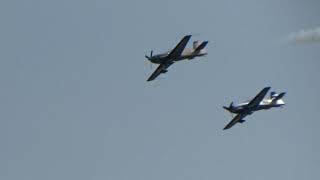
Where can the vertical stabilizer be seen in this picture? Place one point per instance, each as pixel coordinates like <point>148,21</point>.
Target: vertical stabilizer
<point>195,44</point>
<point>273,94</point>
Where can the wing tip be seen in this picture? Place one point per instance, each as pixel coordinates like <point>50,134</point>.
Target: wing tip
<point>227,127</point>
<point>267,88</point>
<point>150,78</point>
<point>187,37</point>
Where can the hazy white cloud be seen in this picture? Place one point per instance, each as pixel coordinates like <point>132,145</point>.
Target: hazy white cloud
<point>305,36</point>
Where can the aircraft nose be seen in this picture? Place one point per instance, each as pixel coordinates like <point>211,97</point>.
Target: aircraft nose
<point>149,58</point>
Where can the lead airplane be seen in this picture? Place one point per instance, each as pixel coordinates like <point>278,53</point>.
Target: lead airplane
<point>176,54</point>
<point>256,104</point>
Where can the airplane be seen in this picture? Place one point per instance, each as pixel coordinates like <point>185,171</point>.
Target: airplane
<point>176,54</point>
<point>256,104</point>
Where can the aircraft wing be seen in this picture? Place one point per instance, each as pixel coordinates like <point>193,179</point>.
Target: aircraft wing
<point>235,120</point>
<point>259,97</point>
<point>179,48</point>
<point>160,69</point>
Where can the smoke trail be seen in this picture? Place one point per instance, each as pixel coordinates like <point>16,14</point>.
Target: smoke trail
<point>306,36</point>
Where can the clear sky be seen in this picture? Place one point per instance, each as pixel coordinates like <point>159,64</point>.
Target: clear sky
<point>75,103</point>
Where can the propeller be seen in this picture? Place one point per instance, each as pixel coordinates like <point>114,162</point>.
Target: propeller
<point>229,108</point>
<point>149,57</point>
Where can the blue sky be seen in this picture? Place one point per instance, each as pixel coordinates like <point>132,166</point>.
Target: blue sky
<point>75,103</point>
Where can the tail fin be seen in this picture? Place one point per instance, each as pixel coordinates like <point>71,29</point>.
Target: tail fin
<point>195,44</point>
<point>273,94</point>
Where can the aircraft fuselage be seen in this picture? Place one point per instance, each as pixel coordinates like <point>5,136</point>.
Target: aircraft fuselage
<point>264,105</point>
<point>186,54</point>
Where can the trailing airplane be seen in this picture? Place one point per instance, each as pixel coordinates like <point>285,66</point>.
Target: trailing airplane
<point>176,54</point>
<point>256,104</point>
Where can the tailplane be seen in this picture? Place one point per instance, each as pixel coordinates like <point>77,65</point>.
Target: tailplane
<point>276,97</point>
<point>200,47</point>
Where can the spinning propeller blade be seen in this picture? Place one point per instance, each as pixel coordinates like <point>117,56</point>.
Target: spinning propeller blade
<point>148,57</point>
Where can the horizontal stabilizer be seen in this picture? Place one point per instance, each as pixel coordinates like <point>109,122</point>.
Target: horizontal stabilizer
<point>201,46</point>
<point>275,99</point>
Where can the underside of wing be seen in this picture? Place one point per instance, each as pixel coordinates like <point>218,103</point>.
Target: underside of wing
<point>234,121</point>
<point>162,68</point>
<point>259,97</point>
<point>176,52</point>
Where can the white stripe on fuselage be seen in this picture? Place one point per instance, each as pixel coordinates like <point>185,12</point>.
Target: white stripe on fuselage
<point>265,102</point>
